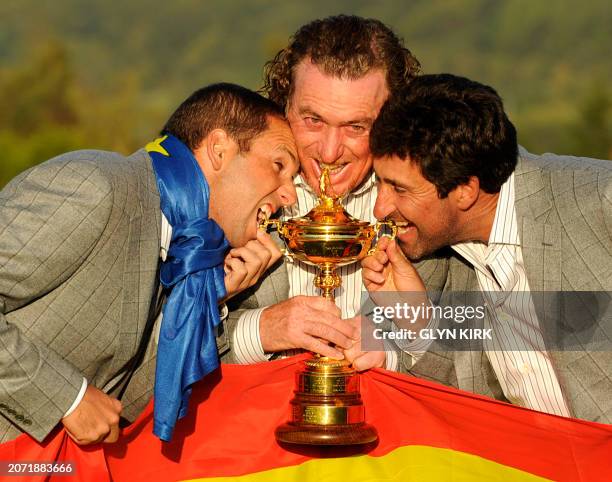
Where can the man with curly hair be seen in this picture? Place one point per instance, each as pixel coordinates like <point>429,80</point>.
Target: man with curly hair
<point>332,79</point>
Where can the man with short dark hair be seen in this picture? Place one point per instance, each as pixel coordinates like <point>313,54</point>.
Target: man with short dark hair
<point>80,243</point>
<point>332,80</point>
<point>451,174</point>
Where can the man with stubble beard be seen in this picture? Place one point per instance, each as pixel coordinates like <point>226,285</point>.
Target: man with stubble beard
<point>527,237</point>
<point>332,79</point>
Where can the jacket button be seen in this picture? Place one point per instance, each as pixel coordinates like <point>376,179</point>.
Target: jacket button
<point>27,421</point>
<point>20,417</point>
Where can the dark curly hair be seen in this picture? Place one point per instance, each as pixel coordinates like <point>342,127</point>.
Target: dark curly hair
<point>452,128</point>
<point>342,46</point>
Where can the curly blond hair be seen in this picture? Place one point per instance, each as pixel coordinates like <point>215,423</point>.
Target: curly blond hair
<point>344,46</point>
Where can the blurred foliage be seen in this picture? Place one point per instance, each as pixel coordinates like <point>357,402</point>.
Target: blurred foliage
<point>591,133</point>
<point>101,74</point>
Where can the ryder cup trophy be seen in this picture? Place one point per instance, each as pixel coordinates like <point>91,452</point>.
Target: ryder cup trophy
<point>327,408</point>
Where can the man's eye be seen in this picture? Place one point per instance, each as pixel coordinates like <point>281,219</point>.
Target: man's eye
<point>312,121</point>
<point>399,189</point>
<point>278,166</point>
<point>356,129</point>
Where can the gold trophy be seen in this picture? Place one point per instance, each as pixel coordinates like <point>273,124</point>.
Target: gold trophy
<point>327,408</point>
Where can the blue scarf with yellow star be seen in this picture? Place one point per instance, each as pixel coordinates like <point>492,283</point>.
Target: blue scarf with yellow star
<point>193,272</point>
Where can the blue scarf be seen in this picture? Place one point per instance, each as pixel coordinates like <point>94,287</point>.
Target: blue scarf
<point>193,271</point>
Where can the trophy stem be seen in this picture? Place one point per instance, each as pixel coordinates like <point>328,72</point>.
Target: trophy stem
<point>327,280</point>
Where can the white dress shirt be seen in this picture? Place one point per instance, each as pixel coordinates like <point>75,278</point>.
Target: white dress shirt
<point>360,204</point>
<point>516,351</point>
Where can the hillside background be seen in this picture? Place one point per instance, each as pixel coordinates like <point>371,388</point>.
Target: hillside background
<point>100,74</point>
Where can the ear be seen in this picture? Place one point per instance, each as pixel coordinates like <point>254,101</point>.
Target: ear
<point>216,151</point>
<point>465,195</point>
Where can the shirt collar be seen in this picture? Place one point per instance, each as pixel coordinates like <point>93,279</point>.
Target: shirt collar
<point>505,227</point>
<point>503,231</point>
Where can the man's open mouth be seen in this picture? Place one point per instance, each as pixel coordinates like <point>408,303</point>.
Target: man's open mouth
<point>263,214</point>
<point>332,168</point>
<point>403,226</point>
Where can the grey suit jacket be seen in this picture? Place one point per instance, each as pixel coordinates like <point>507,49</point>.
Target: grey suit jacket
<point>79,247</point>
<point>564,210</point>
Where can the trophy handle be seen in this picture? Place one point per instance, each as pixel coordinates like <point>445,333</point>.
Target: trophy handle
<point>377,227</point>
<point>279,225</point>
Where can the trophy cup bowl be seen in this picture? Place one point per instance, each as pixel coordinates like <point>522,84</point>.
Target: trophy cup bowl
<point>326,245</point>
<point>327,408</point>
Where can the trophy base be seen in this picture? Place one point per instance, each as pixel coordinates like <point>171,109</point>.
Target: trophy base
<point>327,408</point>
<point>357,434</point>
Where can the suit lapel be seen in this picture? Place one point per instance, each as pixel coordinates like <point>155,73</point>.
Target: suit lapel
<point>141,253</point>
<point>540,241</point>
<point>541,248</point>
<point>540,244</point>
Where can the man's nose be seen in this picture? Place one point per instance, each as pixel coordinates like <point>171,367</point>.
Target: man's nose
<point>384,203</point>
<point>287,193</point>
<point>331,145</point>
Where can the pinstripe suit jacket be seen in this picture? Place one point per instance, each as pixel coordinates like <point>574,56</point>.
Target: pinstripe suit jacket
<point>79,247</point>
<point>564,213</point>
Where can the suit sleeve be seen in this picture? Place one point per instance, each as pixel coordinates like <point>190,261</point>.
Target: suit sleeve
<point>51,218</point>
<point>434,272</point>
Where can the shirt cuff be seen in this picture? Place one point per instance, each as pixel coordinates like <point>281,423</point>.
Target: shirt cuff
<point>416,348</point>
<point>78,398</point>
<point>391,360</point>
<point>223,311</point>
<point>246,341</point>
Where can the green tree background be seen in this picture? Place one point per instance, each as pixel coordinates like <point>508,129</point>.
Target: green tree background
<point>96,74</point>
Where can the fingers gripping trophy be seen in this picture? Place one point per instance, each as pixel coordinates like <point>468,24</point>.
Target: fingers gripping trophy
<point>327,408</point>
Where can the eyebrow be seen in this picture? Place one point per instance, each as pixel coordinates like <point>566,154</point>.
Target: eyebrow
<point>392,182</point>
<point>289,153</point>
<point>363,120</point>
<point>307,110</point>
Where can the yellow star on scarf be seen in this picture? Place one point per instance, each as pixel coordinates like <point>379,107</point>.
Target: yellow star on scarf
<point>155,146</point>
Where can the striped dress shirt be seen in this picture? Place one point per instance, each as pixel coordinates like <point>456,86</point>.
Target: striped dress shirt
<point>516,351</point>
<point>360,204</point>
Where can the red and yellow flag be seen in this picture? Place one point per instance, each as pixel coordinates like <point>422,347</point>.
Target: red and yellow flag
<point>426,432</point>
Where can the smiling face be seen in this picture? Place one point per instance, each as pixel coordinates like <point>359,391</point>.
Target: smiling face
<point>254,182</point>
<point>427,223</point>
<point>331,120</point>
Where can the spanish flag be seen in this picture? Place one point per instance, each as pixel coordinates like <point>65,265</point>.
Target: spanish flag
<point>427,432</point>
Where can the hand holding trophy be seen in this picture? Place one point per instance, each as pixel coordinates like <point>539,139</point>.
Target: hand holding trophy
<point>327,408</point>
